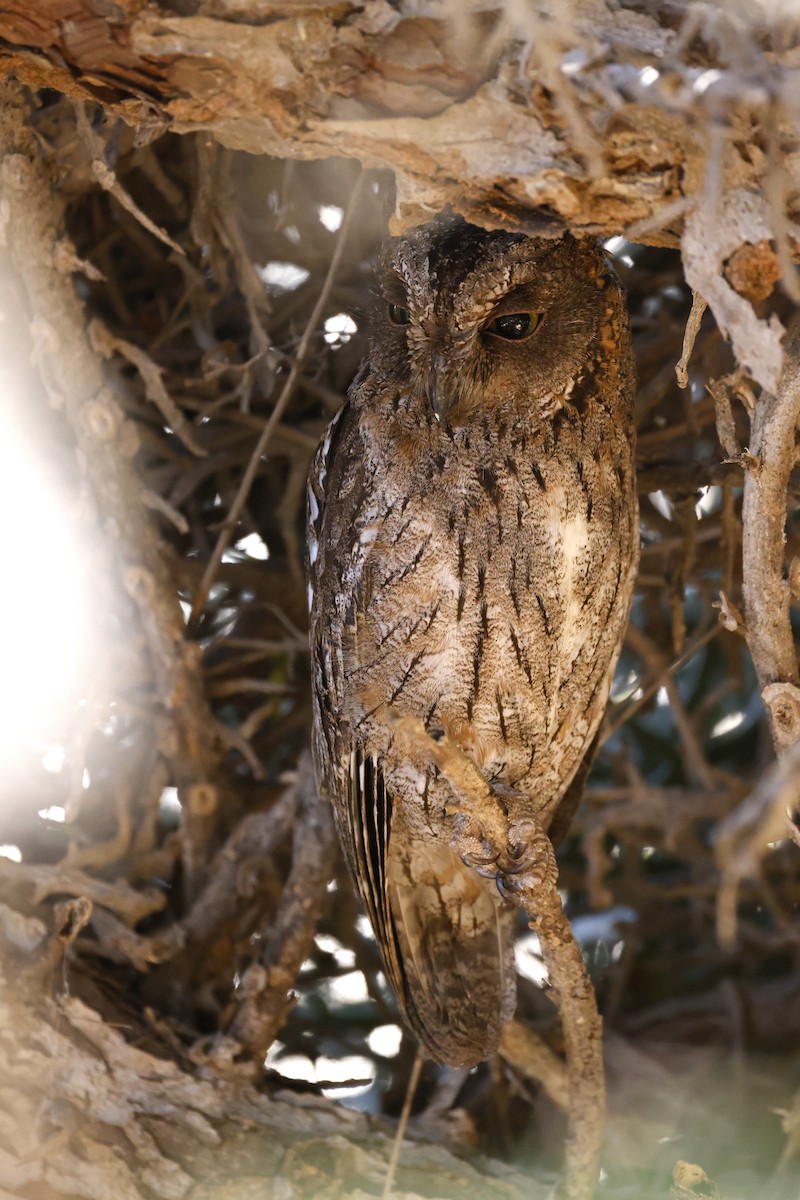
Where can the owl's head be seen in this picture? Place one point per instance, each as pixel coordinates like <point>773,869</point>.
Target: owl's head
<point>469,318</point>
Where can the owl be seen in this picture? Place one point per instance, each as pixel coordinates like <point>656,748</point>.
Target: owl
<point>472,550</point>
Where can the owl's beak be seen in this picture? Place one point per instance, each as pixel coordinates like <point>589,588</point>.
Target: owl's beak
<point>441,392</point>
<point>438,399</point>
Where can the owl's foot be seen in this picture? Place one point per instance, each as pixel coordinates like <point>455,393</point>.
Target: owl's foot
<point>524,866</point>
<point>473,847</point>
<point>519,856</point>
<point>528,868</point>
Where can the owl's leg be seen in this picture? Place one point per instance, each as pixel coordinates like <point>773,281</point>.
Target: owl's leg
<point>521,858</point>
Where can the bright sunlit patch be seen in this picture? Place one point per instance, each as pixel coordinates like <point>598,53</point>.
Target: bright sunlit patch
<point>528,954</point>
<point>591,927</point>
<point>12,852</point>
<point>331,216</point>
<point>327,943</point>
<point>727,724</point>
<point>350,988</point>
<point>282,276</point>
<point>385,1040</point>
<point>648,76</point>
<point>53,759</point>
<point>661,503</point>
<point>662,697</point>
<point>54,813</point>
<point>706,80</point>
<point>624,686</point>
<point>254,547</point>
<point>618,247</point>
<point>359,1072</point>
<point>344,958</point>
<point>353,1069</point>
<point>43,598</point>
<point>169,806</point>
<point>574,61</point>
<point>710,500</point>
<point>339,329</point>
<point>293,1066</point>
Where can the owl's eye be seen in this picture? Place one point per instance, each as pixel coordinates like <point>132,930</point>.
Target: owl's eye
<point>399,315</point>
<point>514,326</point>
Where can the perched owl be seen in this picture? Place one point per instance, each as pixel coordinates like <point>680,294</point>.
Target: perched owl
<point>472,548</point>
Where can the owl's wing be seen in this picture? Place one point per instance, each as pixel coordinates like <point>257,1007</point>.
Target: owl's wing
<point>446,939</point>
<point>368,825</point>
<point>568,804</point>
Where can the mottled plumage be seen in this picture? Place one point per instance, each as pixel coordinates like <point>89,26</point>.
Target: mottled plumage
<point>472,550</point>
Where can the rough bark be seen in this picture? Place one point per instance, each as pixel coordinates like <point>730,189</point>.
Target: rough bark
<point>86,1115</point>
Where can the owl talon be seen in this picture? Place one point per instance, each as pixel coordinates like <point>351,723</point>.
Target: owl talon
<point>528,865</point>
<point>473,847</point>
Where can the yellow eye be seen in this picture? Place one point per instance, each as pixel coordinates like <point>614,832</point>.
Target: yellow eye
<point>514,326</point>
<point>399,315</point>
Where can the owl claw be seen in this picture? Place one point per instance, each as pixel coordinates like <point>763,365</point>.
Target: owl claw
<point>526,866</point>
<point>473,847</point>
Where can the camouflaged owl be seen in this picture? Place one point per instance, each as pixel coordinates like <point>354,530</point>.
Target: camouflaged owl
<point>472,551</point>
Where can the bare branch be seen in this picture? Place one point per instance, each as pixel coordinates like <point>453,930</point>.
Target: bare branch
<point>766,593</point>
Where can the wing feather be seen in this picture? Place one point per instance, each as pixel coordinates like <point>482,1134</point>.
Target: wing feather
<point>445,939</point>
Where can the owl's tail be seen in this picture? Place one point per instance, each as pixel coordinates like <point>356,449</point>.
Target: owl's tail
<point>445,934</point>
<point>454,946</point>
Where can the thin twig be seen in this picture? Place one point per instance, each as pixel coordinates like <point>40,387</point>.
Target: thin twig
<point>648,692</point>
<point>402,1125</point>
<point>693,323</point>
<point>744,836</point>
<point>109,182</point>
<point>106,343</point>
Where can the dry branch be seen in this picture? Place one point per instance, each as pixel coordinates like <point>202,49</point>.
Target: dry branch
<point>765,588</point>
<point>287,392</point>
<point>265,992</point>
<point>402,85</point>
<point>94,1116</point>
<point>744,836</point>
